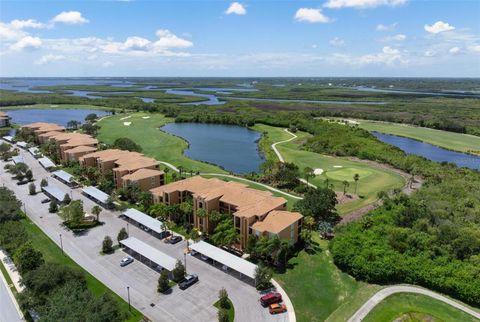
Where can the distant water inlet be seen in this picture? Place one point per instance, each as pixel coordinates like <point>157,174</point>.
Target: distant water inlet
<point>53,115</point>
<point>430,151</point>
<point>233,148</point>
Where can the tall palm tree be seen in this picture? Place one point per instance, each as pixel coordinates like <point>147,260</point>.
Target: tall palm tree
<point>356,177</point>
<point>96,210</point>
<point>345,186</point>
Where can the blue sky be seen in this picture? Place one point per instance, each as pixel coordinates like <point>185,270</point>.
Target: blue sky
<point>244,38</point>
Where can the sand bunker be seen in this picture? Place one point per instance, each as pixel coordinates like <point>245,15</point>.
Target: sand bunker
<point>317,171</point>
<point>127,123</point>
<point>126,117</point>
<point>145,117</point>
<point>338,166</point>
<point>53,105</point>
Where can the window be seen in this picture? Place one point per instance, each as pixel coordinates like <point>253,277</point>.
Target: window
<point>152,181</point>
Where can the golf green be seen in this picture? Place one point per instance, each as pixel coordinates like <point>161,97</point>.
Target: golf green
<point>347,174</point>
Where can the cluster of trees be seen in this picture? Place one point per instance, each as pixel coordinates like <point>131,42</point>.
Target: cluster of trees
<point>126,144</point>
<point>20,171</point>
<point>73,214</point>
<point>134,195</point>
<point>272,251</point>
<point>283,175</point>
<point>224,305</point>
<point>6,152</point>
<point>56,292</point>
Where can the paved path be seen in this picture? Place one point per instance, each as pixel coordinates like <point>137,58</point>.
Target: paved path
<point>386,292</point>
<point>9,310</point>
<point>274,145</point>
<point>194,303</point>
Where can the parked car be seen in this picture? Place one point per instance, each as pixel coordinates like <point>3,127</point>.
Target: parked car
<point>46,200</point>
<point>126,261</point>
<point>277,308</point>
<point>175,239</point>
<point>270,298</point>
<point>188,281</point>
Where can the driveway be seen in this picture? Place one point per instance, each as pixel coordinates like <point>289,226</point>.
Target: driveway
<point>8,308</point>
<point>195,303</point>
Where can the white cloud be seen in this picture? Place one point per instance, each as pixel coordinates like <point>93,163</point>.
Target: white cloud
<point>70,18</point>
<point>429,53</point>
<point>49,59</point>
<point>388,56</point>
<point>454,50</point>
<point>474,48</point>
<point>27,42</point>
<point>362,4</point>
<point>399,37</point>
<point>7,33</point>
<point>136,43</point>
<point>236,8</point>
<point>169,40</point>
<point>30,23</point>
<point>382,27</point>
<point>337,42</point>
<point>311,15</point>
<point>438,27</point>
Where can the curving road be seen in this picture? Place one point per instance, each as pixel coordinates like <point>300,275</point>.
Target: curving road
<point>274,145</point>
<point>386,292</point>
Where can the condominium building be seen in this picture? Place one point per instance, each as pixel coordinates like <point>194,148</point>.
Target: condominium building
<point>253,211</point>
<point>127,167</point>
<point>4,119</point>
<point>39,128</point>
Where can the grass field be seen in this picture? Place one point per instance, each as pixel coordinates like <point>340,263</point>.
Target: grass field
<point>417,308</point>
<point>59,106</point>
<point>144,130</point>
<point>336,170</point>
<point>448,140</point>
<point>53,254</point>
<point>319,290</point>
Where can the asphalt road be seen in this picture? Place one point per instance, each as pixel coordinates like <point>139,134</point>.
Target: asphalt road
<point>195,303</point>
<point>8,310</point>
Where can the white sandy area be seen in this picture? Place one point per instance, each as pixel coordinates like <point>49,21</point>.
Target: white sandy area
<point>145,117</point>
<point>126,117</point>
<point>318,171</point>
<point>338,166</point>
<point>53,105</point>
<point>127,123</point>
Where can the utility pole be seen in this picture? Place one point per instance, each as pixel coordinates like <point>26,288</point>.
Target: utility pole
<point>128,292</point>
<point>61,244</point>
<point>128,230</point>
<point>185,260</point>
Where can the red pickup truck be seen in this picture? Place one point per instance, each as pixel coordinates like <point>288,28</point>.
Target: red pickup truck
<point>270,298</point>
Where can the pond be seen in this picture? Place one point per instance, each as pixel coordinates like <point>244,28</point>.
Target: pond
<point>53,115</point>
<point>430,151</point>
<point>233,148</point>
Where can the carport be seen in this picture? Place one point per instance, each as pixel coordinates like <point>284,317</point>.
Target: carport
<point>46,163</point>
<point>18,159</point>
<point>148,255</point>
<point>145,220</point>
<point>63,176</point>
<point>240,265</point>
<point>96,195</point>
<point>54,192</point>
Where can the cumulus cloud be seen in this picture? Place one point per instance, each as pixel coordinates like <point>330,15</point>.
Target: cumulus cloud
<point>236,8</point>
<point>27,43</point>
<point>30,23</point>
<point>388,56</point>
<point>382,27</point>
<point>70,18</point>
<point>454,50</point>
<point>438,27</point>
<point>398,37</point>
<point>168,40</point>
<point>362,4</point>
<point>337,42</point>
<point>8,33</point>
<point>50,58</point>
<point>311,15</point>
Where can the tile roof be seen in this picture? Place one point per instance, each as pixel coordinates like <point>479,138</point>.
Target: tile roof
<point>276,221</point>
<point>81,148</point>
<point>142,174</point>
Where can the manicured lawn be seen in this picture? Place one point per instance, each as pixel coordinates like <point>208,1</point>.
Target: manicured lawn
<point>318,289</point>
<point>336,170</point>
<point>144,130</point>
<point>417,308</point>
<point>52,253</point>
<point>59,106</point>
<point>449,140</point>
<point>231,310</point>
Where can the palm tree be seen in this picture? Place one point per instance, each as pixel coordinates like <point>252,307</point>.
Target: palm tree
<point>345,186</point>
<point>166,170</point>
<point>356,177</point>
<point>180,170</point>
<point>96,210</point>
<point>309,222</point>
<point>309,173</point>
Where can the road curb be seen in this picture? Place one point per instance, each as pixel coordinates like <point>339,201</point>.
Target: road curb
<point>290,310</point>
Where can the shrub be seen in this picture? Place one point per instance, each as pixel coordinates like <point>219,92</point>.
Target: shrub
<point>223,298</point>
<point>163,282</point>
<point>107,245</point>
<point>178,272</point>
<point>32,190</point>
<point>122,234</point>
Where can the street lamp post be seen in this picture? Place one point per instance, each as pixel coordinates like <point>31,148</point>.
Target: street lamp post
<point>128,230</point>
<point>128,293</point>
<point>185,260</point>
<point>61,244</point>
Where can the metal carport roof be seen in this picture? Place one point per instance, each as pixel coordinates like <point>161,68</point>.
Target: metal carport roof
<point>54,192</point>
<point>96,194</point>
<point>144,219</point>
<point>219,255</point>
<point>65,176</point>
<point>18,159</point>
<point>46,162</point>
<point>150,253</point>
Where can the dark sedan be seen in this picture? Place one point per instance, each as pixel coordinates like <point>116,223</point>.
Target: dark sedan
<point>188,281</point>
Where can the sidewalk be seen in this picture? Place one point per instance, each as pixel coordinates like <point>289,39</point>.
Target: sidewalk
<point>11,270</point>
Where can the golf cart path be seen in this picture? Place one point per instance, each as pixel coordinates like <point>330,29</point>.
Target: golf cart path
<point>386,292</point>
<point>274,145</point>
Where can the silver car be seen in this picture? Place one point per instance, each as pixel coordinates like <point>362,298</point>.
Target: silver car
<point>126,261</point>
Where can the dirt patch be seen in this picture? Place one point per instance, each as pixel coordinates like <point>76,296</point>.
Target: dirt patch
<point>344,198</point>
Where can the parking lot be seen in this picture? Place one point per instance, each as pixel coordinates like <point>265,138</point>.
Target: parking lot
<point>194,303</point>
